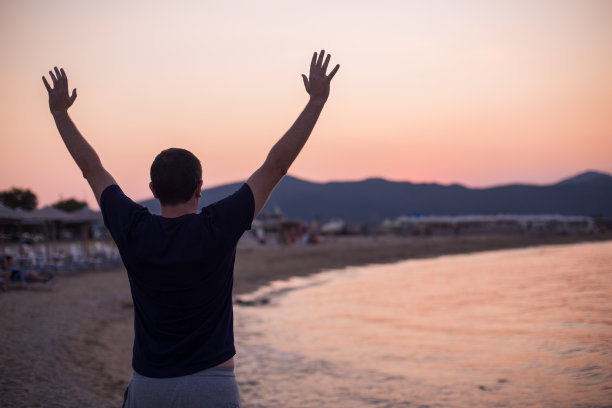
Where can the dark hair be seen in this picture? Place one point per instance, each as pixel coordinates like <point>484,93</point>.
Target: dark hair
<point>175,174</point>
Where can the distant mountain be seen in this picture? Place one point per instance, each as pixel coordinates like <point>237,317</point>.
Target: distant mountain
<point>375,199</point>
<point>593,177</point>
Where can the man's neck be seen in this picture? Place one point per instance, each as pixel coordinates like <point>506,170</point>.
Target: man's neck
<point>174,211</point>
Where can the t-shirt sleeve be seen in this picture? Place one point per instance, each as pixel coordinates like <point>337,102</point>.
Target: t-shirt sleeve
<point>119,212</point>
<point>234,214</point>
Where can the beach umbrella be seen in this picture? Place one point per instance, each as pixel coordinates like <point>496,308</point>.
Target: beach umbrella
<point>86,217</point>
<point>86,214</point>
<point>46,214</point>
<point>8,214</point>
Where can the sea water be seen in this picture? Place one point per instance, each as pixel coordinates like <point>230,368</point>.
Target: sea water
<point>512,328</point>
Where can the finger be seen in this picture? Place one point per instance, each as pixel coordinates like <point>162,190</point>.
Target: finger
<point>64,77</point>
<point>306,84</point>
<point>313,63</point>
<point>46,84</point>
<point>331,74</point>
<point>320,60</point>
<point>53,78</point>
<point>73,96</point>
<point>60,78</point>
<point>326,63</point>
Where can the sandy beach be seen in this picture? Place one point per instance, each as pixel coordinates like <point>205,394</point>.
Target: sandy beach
<point>68,343</point>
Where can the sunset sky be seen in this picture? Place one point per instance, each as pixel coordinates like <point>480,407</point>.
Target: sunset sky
<point>475,92</point>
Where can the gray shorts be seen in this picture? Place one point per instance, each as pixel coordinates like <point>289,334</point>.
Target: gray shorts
<point>211,388</point>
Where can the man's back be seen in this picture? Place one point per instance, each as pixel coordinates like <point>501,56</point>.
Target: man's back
<point>181,275</point>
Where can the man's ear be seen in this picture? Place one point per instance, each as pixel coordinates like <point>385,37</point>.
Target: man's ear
<point>152,190</point>
<point>198,192</point>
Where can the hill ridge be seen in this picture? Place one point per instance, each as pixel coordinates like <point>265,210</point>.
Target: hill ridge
<point>374,199</point>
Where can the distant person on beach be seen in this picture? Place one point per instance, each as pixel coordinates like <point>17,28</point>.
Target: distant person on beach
<point>9,272</point>
<point>180,264</point>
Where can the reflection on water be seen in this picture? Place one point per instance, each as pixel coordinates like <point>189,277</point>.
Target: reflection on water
<point>528,327</point>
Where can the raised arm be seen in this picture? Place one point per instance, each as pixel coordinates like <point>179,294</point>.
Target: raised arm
<point>284,152</point>
<point>83,154</point>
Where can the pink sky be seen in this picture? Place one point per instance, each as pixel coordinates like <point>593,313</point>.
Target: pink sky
<point>475,92</point>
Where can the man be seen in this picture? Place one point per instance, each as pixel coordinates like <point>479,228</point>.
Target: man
<point>180,264</point>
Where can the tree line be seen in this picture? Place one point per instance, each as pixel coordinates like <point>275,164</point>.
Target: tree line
<point>25,199</point>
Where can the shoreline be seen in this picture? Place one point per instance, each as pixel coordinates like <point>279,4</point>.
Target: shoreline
<point>258,266</point>
<point>70,343</point>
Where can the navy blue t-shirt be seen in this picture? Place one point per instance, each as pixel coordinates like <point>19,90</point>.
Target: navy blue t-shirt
<point>181,275</point>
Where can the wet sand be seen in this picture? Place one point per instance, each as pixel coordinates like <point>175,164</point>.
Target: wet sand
<point>68,344</point>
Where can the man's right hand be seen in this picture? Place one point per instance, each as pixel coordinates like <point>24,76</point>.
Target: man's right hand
<point>59,100</point>
<point>284,152</point>
<point>317,84</point>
